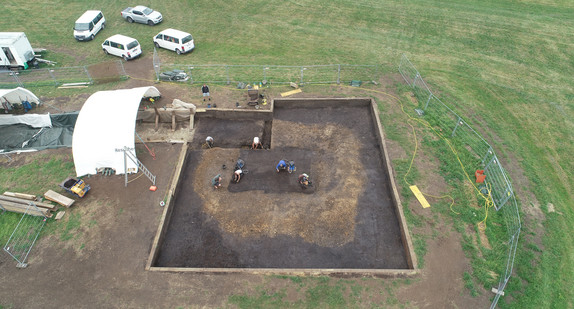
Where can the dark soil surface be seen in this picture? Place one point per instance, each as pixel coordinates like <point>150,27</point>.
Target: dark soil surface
<point>346,220</point>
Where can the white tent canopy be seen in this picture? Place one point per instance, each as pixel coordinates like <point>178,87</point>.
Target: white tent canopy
<point>17,95</point>
<point>106,124</point>
<point>33,120</point>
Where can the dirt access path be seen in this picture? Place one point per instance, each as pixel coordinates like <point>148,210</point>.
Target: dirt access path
<point>102,265</point>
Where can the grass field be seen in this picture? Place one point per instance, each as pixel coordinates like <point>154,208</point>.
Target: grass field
<point>506,66</point>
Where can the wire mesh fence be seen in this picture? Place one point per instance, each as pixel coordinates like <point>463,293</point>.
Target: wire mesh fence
<point>477,152</point>
<point>60,76</point>
<point>274,74</point>
<point>25,234</point>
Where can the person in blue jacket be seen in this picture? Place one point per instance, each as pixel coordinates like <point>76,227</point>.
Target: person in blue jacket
<point>281,165</point>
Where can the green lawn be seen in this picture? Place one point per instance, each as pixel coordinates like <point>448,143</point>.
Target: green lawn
<point>506,66</point>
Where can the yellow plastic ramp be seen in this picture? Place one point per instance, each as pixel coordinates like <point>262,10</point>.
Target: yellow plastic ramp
<point>420,196</point>
<point>288,93</point>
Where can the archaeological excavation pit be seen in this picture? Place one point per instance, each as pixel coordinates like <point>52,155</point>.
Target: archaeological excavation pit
<point>349,221</point>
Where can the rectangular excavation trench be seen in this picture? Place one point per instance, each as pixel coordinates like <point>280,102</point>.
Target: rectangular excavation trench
<point>350,221</point>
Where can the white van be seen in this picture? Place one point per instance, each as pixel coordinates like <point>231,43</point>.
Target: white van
<point>122,46</point>
<point>178,41</point>
<point>88,25</point>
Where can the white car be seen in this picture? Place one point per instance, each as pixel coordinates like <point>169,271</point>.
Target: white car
<point>142,14</point>
<point>122,46</point>
<point>178,41</point>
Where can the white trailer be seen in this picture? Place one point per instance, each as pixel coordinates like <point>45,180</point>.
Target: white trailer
<point>15,50</point>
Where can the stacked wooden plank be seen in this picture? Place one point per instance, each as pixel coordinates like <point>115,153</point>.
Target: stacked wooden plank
<point>58,198</point>
<point>20,204</point>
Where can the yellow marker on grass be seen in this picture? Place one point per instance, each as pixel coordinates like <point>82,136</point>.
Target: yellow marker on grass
<point>288,93</point>
<point>420,196</point>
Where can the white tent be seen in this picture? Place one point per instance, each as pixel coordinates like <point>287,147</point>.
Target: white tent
<point>106,124</point>
<point>17,95</point>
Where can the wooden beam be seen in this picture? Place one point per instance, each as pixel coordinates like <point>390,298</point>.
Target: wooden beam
<point>156,118</point>
<point>25,202</point>
<point>19,208</point>
<point>25,196</point>
<point>59,215</point>
<point>173,123</point>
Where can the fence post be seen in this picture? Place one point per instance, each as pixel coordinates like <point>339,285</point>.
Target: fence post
<point>486,155</point>
<point>190,69</point>
<point>338,74</point>
<point>122,68</point>
<point>156,63</point>
<point>458,122</point>
<point>301,82</point>
<point>428,101</point>
<point>88,74</point>
<point>51,72</point>
<point>227,74</point>
<point>16,79</point>
<point>415,79</point>
<point>491,161</point>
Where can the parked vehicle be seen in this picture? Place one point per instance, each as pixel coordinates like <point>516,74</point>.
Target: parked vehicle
<point>174,76</point>
<point>122,46</point>
<point>178,41</point>
<point>88,25</point>
<point>16,51</point>
<point>142,14</point>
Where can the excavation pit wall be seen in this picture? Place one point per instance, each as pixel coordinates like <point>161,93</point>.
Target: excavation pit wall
<point>285,114</point>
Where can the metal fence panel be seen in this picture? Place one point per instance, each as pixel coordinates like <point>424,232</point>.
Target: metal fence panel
<point>207,73</point>
<point>464,137</point>
<point>441,116</point>
<point>408,71</point>
<point>319,74</point>
<point>72,75</point>
<point>359,72</point>
<point>9,80</point>
<point>37,78</point>
<point>276,74</point>
<point>249,74</point>
<point>422,92</point>
<point>53,76</point>
<point>25,235</point>
<point>475,144</point>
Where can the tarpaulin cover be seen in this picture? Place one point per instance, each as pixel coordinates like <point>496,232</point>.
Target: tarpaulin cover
<point>105,126</point>
<point>23,137</point>
<point>33,120</point>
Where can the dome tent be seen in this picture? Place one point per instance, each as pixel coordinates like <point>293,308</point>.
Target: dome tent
<point>17,95</point>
